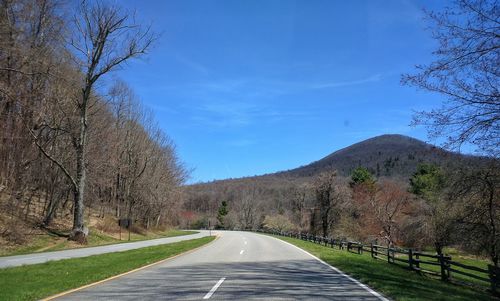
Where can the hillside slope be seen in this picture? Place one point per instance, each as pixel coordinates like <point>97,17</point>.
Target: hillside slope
<point>386,155</point>
<point>251,198</point>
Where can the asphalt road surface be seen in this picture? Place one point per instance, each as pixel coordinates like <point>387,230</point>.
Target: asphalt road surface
<point>237,266</point>
<point>12,261</point>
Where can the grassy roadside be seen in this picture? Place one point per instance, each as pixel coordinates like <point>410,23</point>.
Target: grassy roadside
<point>393,281</point>
<point>33,282</point>
<point>47,242</point>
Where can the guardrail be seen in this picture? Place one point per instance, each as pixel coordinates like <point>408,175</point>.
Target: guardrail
<point>414,260</point>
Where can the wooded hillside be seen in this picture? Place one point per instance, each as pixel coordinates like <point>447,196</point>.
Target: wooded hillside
<point>424,196</point>
<point>69,139</point>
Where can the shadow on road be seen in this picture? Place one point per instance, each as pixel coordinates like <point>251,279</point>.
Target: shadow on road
<point>271,280</point>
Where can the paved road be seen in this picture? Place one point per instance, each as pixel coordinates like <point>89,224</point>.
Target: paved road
<point>11,261</point>
<point>237,266</point>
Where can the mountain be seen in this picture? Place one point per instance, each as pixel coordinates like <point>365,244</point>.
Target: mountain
<point>384,156</point>
<point>390,155</point>
<point>387,156</point>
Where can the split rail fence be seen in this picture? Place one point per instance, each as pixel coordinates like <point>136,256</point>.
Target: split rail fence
<point>446,267</point>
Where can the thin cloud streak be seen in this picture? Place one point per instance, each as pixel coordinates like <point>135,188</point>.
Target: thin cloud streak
<point>192,64</point>
<point>370,79</point>
<point>243,102</point>
<point>249,88</point>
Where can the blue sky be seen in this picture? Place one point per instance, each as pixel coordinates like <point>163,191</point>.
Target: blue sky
<point>253,87</point>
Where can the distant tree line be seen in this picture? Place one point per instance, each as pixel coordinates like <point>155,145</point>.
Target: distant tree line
<point>69,139</point>
<point>434,208</point>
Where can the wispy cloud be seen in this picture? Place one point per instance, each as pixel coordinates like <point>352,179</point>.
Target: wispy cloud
<point>239,113</point>
<point>221,113</point>
<point>370,79</point>
<point>245,101</point>
<point>200,68</point>
<point>250,88</point>
<point>254,87</point>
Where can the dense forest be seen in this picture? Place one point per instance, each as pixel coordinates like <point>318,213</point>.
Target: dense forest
<point>70,137</point>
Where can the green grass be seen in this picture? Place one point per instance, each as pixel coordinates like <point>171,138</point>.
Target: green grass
<point>479,263</point>
<point>33,282</point>
<point>393,281</point>
<point>456,256</point>
<point>154,235</point>
<point>50,242</point>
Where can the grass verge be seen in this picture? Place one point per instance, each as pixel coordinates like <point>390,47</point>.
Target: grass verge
<point>393,281</point>
<point>33,282</point>
<point>50,242</point>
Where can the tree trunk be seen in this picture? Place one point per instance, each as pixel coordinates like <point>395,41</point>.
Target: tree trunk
<point>51,209</point>
<point>79,232</point>
<point>158,220</point>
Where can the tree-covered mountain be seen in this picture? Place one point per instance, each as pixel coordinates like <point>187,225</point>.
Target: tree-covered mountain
<point>390,157</point>
<point>385,156</point>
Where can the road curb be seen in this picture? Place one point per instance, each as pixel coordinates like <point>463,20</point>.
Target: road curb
<point>217,236</point>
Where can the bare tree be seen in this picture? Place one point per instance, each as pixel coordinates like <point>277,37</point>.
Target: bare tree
<point>477,193</point>
<point>104,149</point>
<point>330,196</point>
<point>389,207</point>
<point>104,38</point>
<point>467,73</point>
<point>278,223</point>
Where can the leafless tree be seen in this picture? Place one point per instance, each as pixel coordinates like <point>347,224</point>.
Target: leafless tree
<point>105,149</point>
<point>478,195</point>
<point>388,208</point>
<point>466,72</point>
<point>330,196</point>
<point>104,37</point>
<point>278,223</point>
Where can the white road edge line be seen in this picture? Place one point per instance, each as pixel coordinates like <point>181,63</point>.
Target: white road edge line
<point>241,252</point>
<point>212,291</point>
<point>376,294</point>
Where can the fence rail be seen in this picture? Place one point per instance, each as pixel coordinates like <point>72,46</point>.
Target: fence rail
<point>409,258</point>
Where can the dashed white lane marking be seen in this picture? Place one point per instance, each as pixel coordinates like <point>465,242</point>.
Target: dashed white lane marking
<point>212,291</point>
<point>241,252</point>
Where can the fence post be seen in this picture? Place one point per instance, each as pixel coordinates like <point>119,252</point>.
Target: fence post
<point>388,254</point>
<point>417,261</point>
<point>372,251</point>
<point>410,258</point>
<point>444,268</point>
<point>494,274</point>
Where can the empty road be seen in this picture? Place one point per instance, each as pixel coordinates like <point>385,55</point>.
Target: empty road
<point>237,266</point>
<point>12,261</point>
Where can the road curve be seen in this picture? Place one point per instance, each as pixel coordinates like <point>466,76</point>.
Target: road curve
<point>34,258</point>
<point>237,266</point>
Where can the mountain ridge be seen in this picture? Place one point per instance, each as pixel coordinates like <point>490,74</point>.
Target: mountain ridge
<point>387,155</point>
<point>384,155</point>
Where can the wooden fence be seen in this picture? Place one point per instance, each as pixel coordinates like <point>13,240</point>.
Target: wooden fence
<point>414,260</point>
